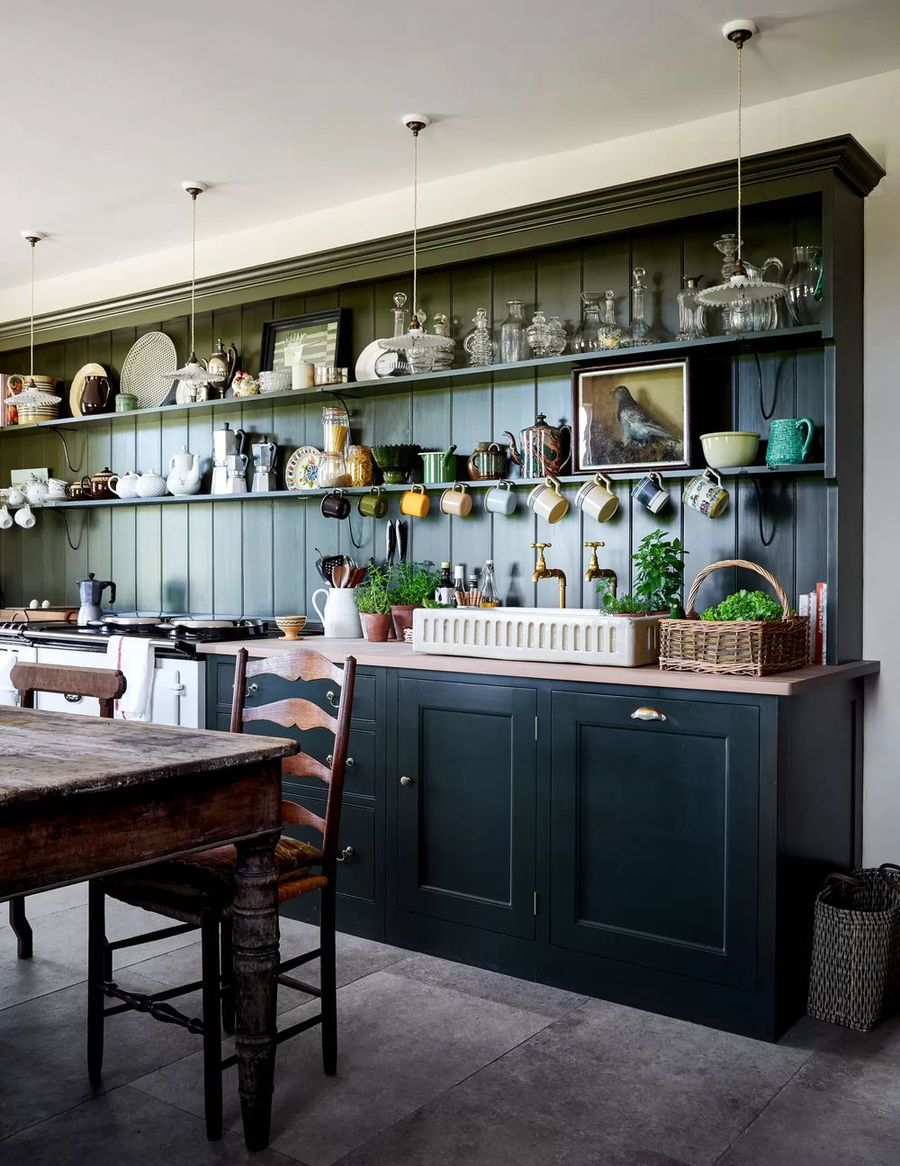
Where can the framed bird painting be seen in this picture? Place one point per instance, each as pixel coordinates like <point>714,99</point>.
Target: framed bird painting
<point>632,417</point>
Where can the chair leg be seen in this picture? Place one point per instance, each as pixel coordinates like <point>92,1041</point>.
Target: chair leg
<point>227,977</point>
<point>96,975</point>
<point>212,1034</point>
<point>21,928</point>
<point>328,975</point>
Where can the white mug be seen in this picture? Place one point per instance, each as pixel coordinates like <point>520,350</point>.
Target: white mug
<point>500,499</point>
<point>6,519</point>
<point>24,517</point>
<point>547,502</point>
<point>596,499</point>
<point>706,494</point>
<point>340,616</point>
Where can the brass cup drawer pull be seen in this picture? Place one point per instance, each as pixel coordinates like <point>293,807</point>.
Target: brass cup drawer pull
<point>645,713</point>
<point>346,853</point>
<point>349,763</point>
<point>332,697</point>
<point>252,690</point>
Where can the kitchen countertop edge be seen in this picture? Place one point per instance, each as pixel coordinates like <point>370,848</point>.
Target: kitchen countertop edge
<point>394,655</point>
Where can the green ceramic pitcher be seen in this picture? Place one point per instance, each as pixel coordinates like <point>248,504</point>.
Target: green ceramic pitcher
<point>789,441</point>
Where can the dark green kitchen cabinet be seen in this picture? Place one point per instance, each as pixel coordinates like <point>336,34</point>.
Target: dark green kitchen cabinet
<point>654,833</point>
<point>464,790</point>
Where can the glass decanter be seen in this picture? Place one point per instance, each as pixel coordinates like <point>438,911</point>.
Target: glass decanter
<point>587,338</point>
<point>805,284</point>
<point>539,335</point>
<point>691,313</point>
<point>513,345</point>
<point>609,334</point>
<point>639,332</point>
<point>558,337</point>
<point>393,363</point>
<point>443,358</point>
<point>479,345</point>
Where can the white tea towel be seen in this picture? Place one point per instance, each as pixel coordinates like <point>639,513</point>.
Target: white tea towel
<point>136,657</point>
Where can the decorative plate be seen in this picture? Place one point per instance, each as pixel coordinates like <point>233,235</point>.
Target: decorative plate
<point>365,366</point>
<point>146,369</point>
<point>301,471</point>
<point>86,370</point>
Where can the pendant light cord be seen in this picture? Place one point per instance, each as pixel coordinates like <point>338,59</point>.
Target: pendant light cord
<point>740,55</point>
<point>415,303</point>
<point>194,262</point>
<point>31,328</point>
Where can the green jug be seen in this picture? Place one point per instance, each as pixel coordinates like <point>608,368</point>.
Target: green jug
<point>788,443</point>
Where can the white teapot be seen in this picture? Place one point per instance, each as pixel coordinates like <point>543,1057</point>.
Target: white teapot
<point>35,491</point>
<point>184,472</point>
<point>151,485</point>
<point>125,485</point>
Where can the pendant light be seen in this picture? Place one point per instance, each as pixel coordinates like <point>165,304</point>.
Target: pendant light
<point>738,295</point>
<point>32,238</point>
<point>420,347</point>
<point>193,374</point>
<point>33,404</point>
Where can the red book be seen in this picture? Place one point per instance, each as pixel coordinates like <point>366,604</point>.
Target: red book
<point>821,623</point>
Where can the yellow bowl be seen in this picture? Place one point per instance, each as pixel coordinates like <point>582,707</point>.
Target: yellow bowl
<point>290,626</point>
<point>731,448</point>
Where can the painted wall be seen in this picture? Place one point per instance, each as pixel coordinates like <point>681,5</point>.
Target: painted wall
<point>864,108</point>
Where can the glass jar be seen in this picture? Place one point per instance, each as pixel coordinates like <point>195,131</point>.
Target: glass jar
<point>805,284</point>
<point>587,338</point>
<point>360,466</point>
<point>558,337</point>
<point>479,344</point>
<point>539,335</point>
<point>513,344</point>
<point>332,470</point>
<point>336,426</point>
<point>609,334</point>
<point>691,313</point>
<point>639,332</point>
<point>443,358</point>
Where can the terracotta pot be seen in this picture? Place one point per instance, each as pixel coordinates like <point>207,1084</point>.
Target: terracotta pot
<point>376,627</point>
<point>402,615</point>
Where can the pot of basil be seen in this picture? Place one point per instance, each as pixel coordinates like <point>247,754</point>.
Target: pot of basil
<point>658,579</point>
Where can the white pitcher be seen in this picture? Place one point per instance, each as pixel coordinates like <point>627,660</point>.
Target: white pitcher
<point>340,618</point>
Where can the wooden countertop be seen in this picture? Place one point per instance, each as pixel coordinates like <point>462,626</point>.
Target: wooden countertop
<point>394,655</point>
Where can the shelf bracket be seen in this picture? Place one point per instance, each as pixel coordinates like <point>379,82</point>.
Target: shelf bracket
<point>74,546</point>
<point>74,469</point>
<point>760,507</point>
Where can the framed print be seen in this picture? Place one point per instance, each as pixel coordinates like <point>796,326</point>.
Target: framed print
<point>632,417</point>
<point>317,337</point>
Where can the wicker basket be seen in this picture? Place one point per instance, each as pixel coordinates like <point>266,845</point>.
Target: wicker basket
<point>854,977</point>
<point>742,647</point>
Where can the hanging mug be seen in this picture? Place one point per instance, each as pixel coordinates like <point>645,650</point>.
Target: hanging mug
<point>547,501</point>
<point>596,499</point>
<point>335,505</point>
<point>24,517</point>
<point>374,504</point>
<point>706,494</point>
<point>788,445</point>
<point>651,492</point>
<point>6,519</point>
<point>415,502</point>
<point>457,501</point>
<point>500,499</point>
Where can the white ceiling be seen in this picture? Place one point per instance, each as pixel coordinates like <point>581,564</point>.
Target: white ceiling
<point>289,107</point>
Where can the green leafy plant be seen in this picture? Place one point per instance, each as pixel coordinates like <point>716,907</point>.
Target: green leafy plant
<point>745,605</point>
<point>412,583</point>
<point>373,594</point>
<point>658,579</point>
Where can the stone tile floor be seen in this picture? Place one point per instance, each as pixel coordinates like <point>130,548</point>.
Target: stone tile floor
<point>439,1064</point>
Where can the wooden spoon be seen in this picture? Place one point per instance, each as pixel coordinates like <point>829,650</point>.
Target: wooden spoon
<point>339,575</point>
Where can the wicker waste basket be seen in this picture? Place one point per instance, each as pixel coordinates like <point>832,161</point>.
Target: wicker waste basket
<point>854,976</point>
<point>737,647</point>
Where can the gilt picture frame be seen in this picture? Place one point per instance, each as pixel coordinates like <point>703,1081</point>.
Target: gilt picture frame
<point>317,337</point>
<point>632,417</point>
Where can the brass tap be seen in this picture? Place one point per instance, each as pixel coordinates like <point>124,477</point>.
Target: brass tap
<point>595,571</point>
<point>542,571</point>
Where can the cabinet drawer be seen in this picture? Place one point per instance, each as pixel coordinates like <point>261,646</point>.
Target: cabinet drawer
<point>361,765</point>
<point>356,871</point>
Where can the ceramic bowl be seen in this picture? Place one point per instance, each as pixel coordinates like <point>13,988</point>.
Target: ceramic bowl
<point>290,626</point>
<point>275,382</point>
<point>730,448</point>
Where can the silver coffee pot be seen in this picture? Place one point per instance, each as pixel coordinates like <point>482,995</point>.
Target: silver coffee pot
<point>265,454</point>
<point>228,442</point>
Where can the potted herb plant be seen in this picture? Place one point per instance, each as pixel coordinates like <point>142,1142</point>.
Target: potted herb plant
<point>410,586</point>
<point>658,579</point>
<point>374,603</point>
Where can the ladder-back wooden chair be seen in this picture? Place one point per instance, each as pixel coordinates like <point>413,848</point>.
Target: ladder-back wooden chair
<point>105,685</point>
<point>198,889</point>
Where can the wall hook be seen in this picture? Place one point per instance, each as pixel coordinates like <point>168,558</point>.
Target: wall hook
<point>84,519</point>
<point>62,437</point>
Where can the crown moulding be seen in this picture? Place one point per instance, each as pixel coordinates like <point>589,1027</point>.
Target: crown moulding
<point>516,228</point>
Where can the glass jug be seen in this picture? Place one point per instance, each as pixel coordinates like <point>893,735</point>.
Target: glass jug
<point>805,284</point>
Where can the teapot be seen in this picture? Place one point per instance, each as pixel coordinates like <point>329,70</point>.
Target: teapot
<point>222,366</point>
<point>184,472</point>
<point>124,485</point>
<point>151,485</point>
<point>35,491</point>
<point>96,395</point>
<point>97,486</point>
<point>542,448</point>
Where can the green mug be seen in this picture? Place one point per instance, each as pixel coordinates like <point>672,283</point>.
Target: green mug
<point>374,504</point>
<point>788,443</point>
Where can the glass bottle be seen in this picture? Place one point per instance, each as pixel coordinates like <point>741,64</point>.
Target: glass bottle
<point>394,363</point>
<point>805,284</point>
<point>336,426</point>
<point>558,338</point>
<point>691,313</point>
<point>587,339</point>
<point>443,358</point>
<point>459,578</point>
<point>479,344</point>
<point>513,346</point>
<point>489,596</point>
<point>360,465</point>
<point>444,593</point>
<point>609,334</point>
<point>539,335</point>
<point>639,332</point>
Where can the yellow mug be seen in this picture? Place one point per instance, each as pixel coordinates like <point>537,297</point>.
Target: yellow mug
<point>457,501</point>
<point>415,502</point>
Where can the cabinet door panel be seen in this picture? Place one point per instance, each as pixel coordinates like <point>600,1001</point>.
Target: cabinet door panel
<point>654,827</point>
<point>465,818</point>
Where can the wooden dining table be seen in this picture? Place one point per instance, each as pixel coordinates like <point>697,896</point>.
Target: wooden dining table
<point>82,797</point>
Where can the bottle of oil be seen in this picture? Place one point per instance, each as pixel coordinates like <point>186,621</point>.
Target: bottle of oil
<point>489,596</point>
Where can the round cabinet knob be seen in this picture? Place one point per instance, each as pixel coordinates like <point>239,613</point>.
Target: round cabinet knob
<point>347,852</point>
<point>404,780</point>
<point>645,713</point>
<point>349,763</point>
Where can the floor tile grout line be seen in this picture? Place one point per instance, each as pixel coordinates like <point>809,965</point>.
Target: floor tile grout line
<point>759,1114</point>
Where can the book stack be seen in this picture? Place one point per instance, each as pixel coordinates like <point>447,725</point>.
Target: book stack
<point>814,605</point>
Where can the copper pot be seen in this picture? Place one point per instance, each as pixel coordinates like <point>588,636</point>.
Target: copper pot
<point>97,485</point>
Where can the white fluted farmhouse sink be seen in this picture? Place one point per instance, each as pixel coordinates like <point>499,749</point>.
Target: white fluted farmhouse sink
<point>572,635</point>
